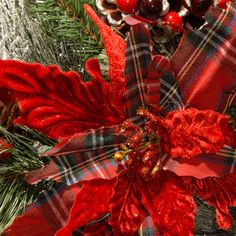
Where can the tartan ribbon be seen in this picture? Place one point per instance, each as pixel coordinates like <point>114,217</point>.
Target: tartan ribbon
<point>204,67</point>
<point>204,64</point>
<point>84,156</point>
<point>220,164</point>
<point>162,88</point>
<point>211,47</point>
<point>138,58</point>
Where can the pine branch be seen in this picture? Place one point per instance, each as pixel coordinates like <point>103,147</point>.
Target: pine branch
<point>75,11</point>
<point>68,24</point>
<point>15,193</point>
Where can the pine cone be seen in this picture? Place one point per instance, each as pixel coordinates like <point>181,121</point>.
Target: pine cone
<point>112,16</point>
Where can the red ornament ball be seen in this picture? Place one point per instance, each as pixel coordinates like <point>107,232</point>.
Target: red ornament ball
<point>174,21</point>
<point>151,8</point>
<point>128,6</point>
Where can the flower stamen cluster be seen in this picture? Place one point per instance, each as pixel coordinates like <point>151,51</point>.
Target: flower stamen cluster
<point>142,151</point>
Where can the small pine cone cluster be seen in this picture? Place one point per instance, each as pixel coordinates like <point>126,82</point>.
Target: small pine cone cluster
<point>111,14</point>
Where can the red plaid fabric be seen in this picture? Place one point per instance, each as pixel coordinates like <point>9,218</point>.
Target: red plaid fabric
<point>84,156</point>
<point>219,164</point>
<point>204,66</point>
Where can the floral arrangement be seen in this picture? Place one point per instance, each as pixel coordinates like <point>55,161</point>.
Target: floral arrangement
<point>134,152</point>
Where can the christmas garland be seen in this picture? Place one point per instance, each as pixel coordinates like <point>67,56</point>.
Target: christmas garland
<point>135,152</point>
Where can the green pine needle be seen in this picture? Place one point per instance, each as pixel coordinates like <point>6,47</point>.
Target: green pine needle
<point>15,193</point>
<point>68,25</point>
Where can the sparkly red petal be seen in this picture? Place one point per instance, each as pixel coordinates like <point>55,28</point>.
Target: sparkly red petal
<point>115,49</point>
<point>59,103</point>
<point>220,193</point>
<point>192,132</point>
<point>90,203</point>
<point>169,200</point>
<point>115,46</point>
<point>127,212</point>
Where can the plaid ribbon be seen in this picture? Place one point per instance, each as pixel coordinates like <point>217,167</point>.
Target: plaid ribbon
<point>138,58</point>
<point>208,52</point>
<point>204,65</point>
<point>84,156</point>
<point>219,164</point>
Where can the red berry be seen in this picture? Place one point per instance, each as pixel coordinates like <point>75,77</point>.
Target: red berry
<point>128,6</point>
<point>222,4</point>
<point>151,8</point>
<point>174,21</point>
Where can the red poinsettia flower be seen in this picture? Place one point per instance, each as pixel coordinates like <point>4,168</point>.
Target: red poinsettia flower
<point>146,131</point>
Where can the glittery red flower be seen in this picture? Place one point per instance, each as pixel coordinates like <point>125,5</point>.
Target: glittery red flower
<point>192,132</point>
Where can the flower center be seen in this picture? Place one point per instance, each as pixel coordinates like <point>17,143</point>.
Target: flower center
<point>142,152</point>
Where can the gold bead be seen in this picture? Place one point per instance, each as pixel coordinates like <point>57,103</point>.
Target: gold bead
<point>119,156</point>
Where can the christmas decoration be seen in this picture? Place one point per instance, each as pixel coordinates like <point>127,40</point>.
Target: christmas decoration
<point>199,7</point>
<point>144,151</point>
<point>174,14</point>
<point>145,128</point>
<point>222,3</point>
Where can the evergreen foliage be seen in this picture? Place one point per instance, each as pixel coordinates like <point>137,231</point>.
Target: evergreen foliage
<point>15,193</point>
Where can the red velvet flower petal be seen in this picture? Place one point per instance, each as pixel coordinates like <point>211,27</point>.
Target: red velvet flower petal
<point>90,203</point>
<point>114,44</point>
<point>115,49</point>
<point>127,212</point>
<point>59,103</point>
<point>220,193</point>
<point>192,132</point>
<point>169,200</point>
